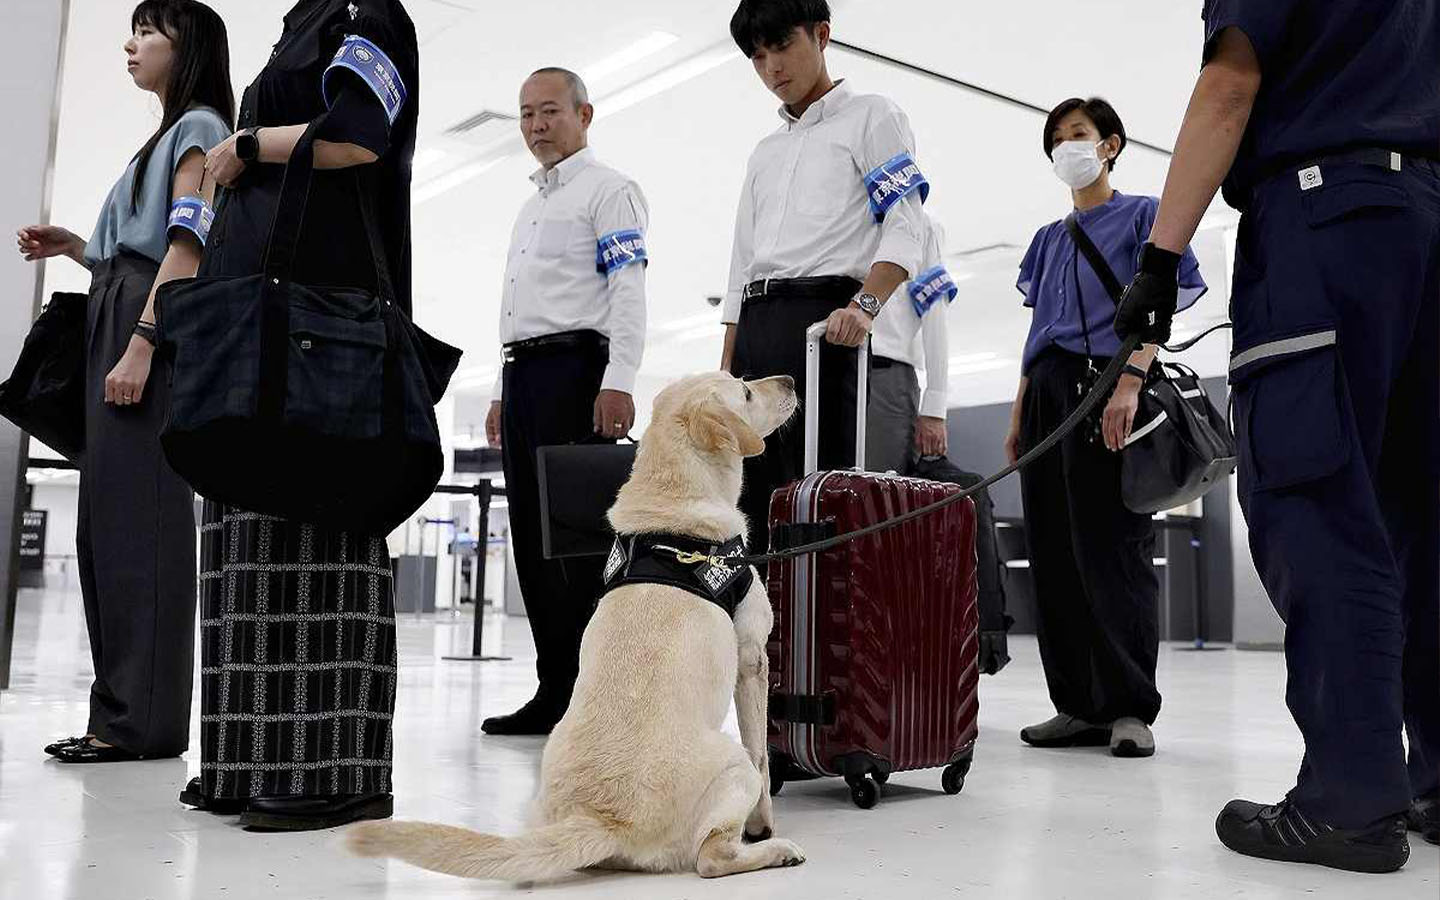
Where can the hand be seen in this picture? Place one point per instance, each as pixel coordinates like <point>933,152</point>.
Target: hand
<point>930,436</point>
<point>222,164</point>
<point>848,327</point>
<point>1119,416</point>
<point>492,425</point>
<point>1012,444</point>
<point>38,242</point>
<point>1148,307</point>
<point>614,414</point>
<point>125,385</point>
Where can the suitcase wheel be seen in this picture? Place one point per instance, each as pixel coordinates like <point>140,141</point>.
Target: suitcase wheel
<point>880,777</point>
<point>953,778</point>
<point>863,792</point>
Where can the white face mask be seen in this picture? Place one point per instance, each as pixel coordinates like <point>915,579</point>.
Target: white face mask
<point>1077,164</point>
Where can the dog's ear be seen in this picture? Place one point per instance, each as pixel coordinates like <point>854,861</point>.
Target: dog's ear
<point>714,426</point>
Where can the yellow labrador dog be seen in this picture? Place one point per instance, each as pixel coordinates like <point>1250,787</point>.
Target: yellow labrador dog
<point>638,774</point>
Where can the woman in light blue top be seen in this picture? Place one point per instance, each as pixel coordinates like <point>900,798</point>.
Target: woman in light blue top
<point>136,533</point>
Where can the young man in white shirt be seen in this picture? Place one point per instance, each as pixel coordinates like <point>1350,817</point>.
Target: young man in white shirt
<point>829,222</point>
<point>911,333</point>
<point>572,325</point>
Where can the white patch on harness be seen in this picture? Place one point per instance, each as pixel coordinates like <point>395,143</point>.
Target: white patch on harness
<point>1311,178</point>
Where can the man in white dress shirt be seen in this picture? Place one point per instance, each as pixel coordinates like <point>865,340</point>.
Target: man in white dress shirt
<point>829,223</point>
<point>572,326</point>
<point>911,334</point>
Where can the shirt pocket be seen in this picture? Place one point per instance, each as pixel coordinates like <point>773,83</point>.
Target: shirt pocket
<point>826,180</point>
<point>554,238</point>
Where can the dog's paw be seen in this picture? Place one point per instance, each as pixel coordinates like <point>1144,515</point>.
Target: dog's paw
<point>368,839</point>
<point>787,854</point>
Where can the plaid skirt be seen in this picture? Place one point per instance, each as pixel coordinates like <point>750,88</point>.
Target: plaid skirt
<point>298,660</point>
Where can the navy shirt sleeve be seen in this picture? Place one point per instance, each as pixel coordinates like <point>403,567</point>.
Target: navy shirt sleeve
<point>1264,22</point>
<point>357,114</point>
<point>1032,267</point>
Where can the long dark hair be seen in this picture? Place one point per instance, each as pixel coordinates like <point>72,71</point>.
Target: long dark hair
<point>200,73</point>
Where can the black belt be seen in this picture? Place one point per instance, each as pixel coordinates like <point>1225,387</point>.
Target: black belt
<point>555,343</point>
<point>821,287</point>
<point>1375,157</point>
<point>885,362</point>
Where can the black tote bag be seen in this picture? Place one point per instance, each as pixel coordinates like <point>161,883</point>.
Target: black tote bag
<point>578,485</point>
<point>45,394</point>
<point>310,403</point>
<point>1180,446</point>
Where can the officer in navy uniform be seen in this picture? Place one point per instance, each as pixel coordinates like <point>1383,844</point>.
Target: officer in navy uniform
<point>572,325</point>
<point>1326,117</point>
<point>829,224</point>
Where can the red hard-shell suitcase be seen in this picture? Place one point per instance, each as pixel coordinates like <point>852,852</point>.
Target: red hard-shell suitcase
<point>874,660</point>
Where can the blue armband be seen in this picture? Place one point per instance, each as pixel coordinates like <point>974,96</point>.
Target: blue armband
<point>930,287</point>
<point>619,249</point>
<point>375,68</point>
<point>892,181</point>
<point>192,214</point>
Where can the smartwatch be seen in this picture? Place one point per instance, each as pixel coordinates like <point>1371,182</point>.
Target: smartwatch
<point>869,303</point>
<point>247,145</point>
<point>1132,369</point>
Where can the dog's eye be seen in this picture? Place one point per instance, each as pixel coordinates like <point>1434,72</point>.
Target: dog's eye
<point>747,393</point>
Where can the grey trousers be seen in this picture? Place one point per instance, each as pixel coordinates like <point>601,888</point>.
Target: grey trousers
<point>890,429</point>
<point>135,538</point>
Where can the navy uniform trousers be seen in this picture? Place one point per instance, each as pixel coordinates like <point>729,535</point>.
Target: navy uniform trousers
<point>1336,386</point>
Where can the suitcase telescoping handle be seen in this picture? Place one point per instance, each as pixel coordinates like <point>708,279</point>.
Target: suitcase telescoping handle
<point>813,336</point>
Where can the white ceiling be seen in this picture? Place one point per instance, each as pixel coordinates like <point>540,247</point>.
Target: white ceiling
<point>683,119</point>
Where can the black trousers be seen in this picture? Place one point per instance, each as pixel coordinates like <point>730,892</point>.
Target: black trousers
<point>770,340</point>
<point>549,400</point>
<point>1091,559</point>
<point>135,538</point>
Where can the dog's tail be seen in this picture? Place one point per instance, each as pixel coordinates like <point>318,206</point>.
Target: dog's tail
<point>544,854</point>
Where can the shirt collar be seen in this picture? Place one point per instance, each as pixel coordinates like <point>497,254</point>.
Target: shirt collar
<point>832,102</point>
<point>563,172</point>
<point>1095,212</point>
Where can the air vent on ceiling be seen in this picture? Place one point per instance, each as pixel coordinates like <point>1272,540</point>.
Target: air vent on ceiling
<point>482,127</point>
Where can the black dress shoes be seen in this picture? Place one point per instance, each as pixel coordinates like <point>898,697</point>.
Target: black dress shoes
<point>193,796</point>
<point>61,744</point>
<point>87,752</point>
<point>1424,817</point>
<point>534,719</point>
<point>314,813</point>
<point>1282,832</point>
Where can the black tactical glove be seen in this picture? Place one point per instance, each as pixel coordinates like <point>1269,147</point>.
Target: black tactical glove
<point>1148,306</point>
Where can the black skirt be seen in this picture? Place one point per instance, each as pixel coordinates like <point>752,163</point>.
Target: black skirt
<point>298,661</point>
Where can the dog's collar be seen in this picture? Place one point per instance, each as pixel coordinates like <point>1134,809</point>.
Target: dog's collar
<point>698,566</point>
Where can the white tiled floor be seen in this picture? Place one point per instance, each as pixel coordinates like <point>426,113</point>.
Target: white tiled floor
<point>1030,823</point>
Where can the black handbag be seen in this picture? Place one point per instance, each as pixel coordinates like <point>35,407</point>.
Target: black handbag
<point>45,394</point>
<point>310,403</point>
<point>578,485</point>
<point>1179,446</point>
<point>995,621</point>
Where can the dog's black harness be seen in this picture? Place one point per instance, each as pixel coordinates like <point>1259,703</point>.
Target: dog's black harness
<point>700,567</point>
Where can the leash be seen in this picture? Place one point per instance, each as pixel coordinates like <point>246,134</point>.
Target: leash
<point>1098,394</point>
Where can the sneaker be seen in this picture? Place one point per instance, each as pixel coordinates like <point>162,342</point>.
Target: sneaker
<point>1424,817</point>
<point>1131,739</point>
<point>1066,731</point>
<point>1282,832</point>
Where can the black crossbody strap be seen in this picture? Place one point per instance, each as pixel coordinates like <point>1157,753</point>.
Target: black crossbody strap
<point>1095,258</point>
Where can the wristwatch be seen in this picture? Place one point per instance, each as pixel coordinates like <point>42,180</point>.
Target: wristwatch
<point>869,303</point>
<point>1132,369</point>
<point>247,145</point>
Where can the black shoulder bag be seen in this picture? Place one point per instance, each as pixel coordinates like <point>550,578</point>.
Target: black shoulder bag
<point>1180,445</point>
<point>306,402</point>
<point>45,394</point>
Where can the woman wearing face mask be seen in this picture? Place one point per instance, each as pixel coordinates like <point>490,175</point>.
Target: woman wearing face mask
<point>136,534</point>
<point>1091,559</point>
